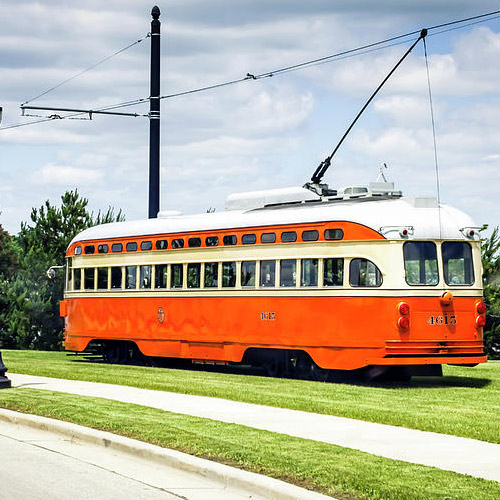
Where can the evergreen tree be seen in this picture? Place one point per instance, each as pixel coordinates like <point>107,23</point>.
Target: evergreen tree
<point>491,282</point>
<point>31,319</point>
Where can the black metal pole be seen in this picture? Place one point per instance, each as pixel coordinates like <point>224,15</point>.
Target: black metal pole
<point>154,117</point>
<point>4,381</point>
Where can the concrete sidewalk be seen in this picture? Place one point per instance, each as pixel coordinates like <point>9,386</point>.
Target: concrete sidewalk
<point>462,455</point>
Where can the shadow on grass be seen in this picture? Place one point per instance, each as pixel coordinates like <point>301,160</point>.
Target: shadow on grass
<point>337,377</point>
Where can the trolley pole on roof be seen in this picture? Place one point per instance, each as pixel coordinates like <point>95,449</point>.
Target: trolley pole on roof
<point>154,117</point>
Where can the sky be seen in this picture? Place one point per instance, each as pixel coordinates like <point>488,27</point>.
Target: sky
<point>259,134</point>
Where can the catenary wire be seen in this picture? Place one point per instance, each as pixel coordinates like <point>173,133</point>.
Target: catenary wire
<point>87,69</point>
<point>249,77</point>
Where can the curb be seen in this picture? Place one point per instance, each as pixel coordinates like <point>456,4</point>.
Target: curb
<point>267,487</point>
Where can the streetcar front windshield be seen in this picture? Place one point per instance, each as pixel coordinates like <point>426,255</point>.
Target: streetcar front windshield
<point>421,266</point>
<point>457,263</point>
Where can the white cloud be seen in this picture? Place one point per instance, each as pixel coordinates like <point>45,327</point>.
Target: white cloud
<point>61,175</point>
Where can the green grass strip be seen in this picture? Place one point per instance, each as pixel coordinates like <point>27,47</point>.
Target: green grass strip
<point>466,402</point>
<point>336,471</point>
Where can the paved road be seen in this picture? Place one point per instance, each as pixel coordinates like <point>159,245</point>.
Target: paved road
<point>37,464</point>
<point>462,455</point>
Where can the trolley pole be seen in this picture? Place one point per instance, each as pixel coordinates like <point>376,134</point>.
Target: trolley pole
<point>4,381</point>
<point>154,117</point>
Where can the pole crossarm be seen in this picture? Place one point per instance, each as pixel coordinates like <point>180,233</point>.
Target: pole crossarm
<point>89,112</point>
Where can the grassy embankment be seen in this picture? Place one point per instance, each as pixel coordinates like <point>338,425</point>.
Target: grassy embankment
<point>340,472</point>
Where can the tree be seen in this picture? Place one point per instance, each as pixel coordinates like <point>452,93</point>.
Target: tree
<point>32,319</point>
<point>491,282</point>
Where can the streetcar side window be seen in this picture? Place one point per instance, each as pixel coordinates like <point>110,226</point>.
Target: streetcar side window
<point>178,243</point>
<point>89,249</point>
<point>161,276</point>
<point>309,273</point>
<point>311,235</point>
<point>457,263</point>
<point>334,234</point>
<point>288,272</point>
<point>102,278</point>
<point>211,241</point>
<point>130,277</point>
<point>248,239</point>
<point>131,246</point>
<point>268,237</point>
<point>146,245</point>
<point>69,283</point>
<point>268,273</point>
<point>364,272</point>
<point>230,239</point>
<point>103,248</point>
<point>193,275</point>
<point>421,266</point>
<point>145,277</point>
<point>116,247</point>
<point>194,242</point>
<point>228,274</point>
<point>288,236</point>
<point>78,250</point>
<point>333,272</point>
<point>211,274</point>
<point>161,244</point>
<point>248,273</point>
<point>176,275</point>
<point>116,277</point>
<point>88,278</point>
<point>77,282</point>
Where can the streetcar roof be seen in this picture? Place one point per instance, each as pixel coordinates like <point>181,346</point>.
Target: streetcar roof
<point>422,218</point>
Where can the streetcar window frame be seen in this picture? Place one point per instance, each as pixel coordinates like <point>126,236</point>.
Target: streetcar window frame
<point>194,242</point>
<point>146,246</point>
<point>176,276</point>
<point>89,249</point>
<point>249,239</point>
<point>102,278</point>
<point>421,252</point>
<point>161,276</point>
<point>161,244</point>
<point>211,241</point>
<point>288,273</point>
<point>333,277</point>
<point>130,277</point>
<point>334,234</point>
<point>229,240</point>
<point>77,279</point>
<point>145,275</point>
<point>116,278</point>
<point>310,235</point>
<point>177,243</point>
<point>248,273</point>
<point>131,246</point>
<point>267,274</point>
<point>355,273</point>
<point>309,272</point>
<point>463,250</point>
<point>89,278</point>
<point>193,275</point>
<point>268,238</point>
<point>78,250</point>
<point>117,247</point>
<point>211,279</point>
<point>104,248</point>
<point>229,274</point>
<point>288,236</point>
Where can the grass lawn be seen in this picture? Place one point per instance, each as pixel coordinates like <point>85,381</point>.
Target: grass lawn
<point>340,472</point>
<point>465,402</point>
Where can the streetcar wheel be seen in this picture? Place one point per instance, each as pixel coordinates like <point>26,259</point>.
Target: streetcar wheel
<point>114,353</point>
<point>272,366</point>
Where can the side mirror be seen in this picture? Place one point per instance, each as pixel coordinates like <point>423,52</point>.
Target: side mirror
<point>51,271</point>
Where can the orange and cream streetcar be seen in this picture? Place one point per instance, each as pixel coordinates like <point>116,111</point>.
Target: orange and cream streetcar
<point>291,280</point>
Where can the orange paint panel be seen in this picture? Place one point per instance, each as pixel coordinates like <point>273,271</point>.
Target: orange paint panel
<point>338,332</point>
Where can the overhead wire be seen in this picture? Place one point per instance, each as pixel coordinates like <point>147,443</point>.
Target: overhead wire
<point>86,69</point>
<point>365,49</point>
